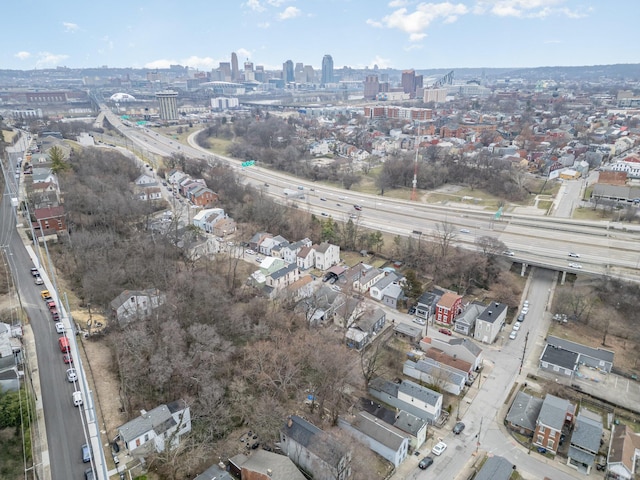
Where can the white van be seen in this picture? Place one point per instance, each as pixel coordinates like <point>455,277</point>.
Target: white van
<point>77,399</point>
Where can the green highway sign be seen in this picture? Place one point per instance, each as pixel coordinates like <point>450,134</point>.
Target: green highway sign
<point>249,163</point>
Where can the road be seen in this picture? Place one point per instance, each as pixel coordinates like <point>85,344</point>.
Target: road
<point>64,422</point>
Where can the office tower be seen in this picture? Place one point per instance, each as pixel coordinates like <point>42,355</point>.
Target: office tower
<point>249,75</point>
<point>259,74</point>
<point>309,74</point>
<point>419,82</point>
<point>287,72</point>
<point>327,70</point>
<point>298,73</point>
<point>225,71</point>
<point>371,87</point>
<point>409,82</point>
<point>168,104</point>
<point>235,73</point>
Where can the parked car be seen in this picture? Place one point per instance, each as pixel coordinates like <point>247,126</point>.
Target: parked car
<point>458,428</point>
<point>88,474</point>
<point>357,207</point>
<point>45,295</point>
<point>35,272</point>
<point>66,358</point>
<point>86,453</point>
<point>521,317</point>
<point>439,448</point>
<point>72,376</point>
<point>248,251</point>
<point>412,311</point>
<point>513,335</point>
<point>59,327</point>
<point>525,310</point>
<point>419,321</point>
<point>445,331</point>
<point>516,326</point>
<point>38,280</point>
<point>425,463</point>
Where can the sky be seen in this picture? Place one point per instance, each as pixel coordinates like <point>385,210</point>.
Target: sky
<point>397,34</point>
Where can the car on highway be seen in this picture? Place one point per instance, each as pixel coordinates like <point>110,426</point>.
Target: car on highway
<point>458,428</point>
<point>72,376</point>
<point>248,251</point>
<point>508,253</point>
<point>38,280</point>
<point>439,448</point>
<point>513,335</point>
<point>76,397</point>
<point>338,204</point>
<point>425,463</point>
<point>324,214</point>
<point>445,331</point>
<point>357,207</point>
<point>86,453</point>
<point>419,321</point>
<point>266,184</point>
<point>322,199</point>
<point>465,230</point>
<point>35,272</point>
<point>45,295</point>
<point>574,255</point>
<point>66,358</point>
<point>516,326</point>
<point>575,265</point>
<point>353,215</point>
<point>59,327</point>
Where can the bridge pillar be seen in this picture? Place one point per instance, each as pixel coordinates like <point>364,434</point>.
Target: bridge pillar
<point>564,277</point>
<point>524,269</point>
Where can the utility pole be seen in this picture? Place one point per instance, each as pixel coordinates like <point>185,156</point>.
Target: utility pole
<point>478,435</point>
<point>524,350</point>
<point>414,192</point>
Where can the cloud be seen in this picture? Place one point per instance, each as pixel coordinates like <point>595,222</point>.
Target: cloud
<point>194,61</point>
<point>70,27</point>
<point>398,3</point>
<point>380,62</point>
<point>46,59</point>
<point>289,13</point>
<point>243,53</point>
<point>415,23</point>
<point>22,55</point>
<point>162,63</point>
<point>552,41</point>
<point>527,8</point>
<point>255,5</point>
<point>264,25</point>
<point>276,3</point>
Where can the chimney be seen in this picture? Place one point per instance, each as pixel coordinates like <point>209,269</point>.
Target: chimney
<point>290,423</point>
<point>497,304</point>
<point>269,472</point>
<point>490,312</point>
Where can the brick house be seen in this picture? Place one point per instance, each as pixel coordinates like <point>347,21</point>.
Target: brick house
<point>50,219</point>
<point>448,307</point>
<point>554,415</point>
<point>202,196</point>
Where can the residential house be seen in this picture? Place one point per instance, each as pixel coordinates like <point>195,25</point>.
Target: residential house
<point>135,304</point>
<point>313,450</point>
<point>207,218</point>
<point>290,251</point>
<point>283,277</point>
<point>187,183</point>
<point>490,322</point>
<point>392,295</point>
<point>466,322</point>
<point>347,312</point>
<point>585,441</point>
<point>432,372</point>
<point>558,361</point>
<point>256,240</point>
<point>224,226</point>
<point>361,277</point>
<point>413,426</point>
<point>409,396</point>
<point>624,453</point>
<point>216,471</point>
<point>301,288</point>
<point>365,327</point>
<point>386,440</point>
<point>10,348</point>
<point>496,468</point>
<point>156,430</point>
<point>598,358</point>
<point>51,220</point>
<point>149,193</point>
<point>554,415</point>
<point>145,181</point>
<point>264,465</point>
<point>462,348</point>
<point>409,332</point>
<point>524,413</point>
<point>448,307</point>
<point>305,258</point>
<point>42,175</point>
<point>174,177</point>
<point>44,194</point>
<point>322,305</point>
<point>377,289</point>
<point>326,255</point>
<point>269,243</point>
<point>458,364</point>
<point>202,196</point>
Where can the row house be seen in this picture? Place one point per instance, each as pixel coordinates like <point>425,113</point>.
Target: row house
<point>362,277</point>
<point>555,414</point>
<point>414,427</point>
<point>283,277</point>
<point>461,348</point>
<point>149,193</point>
<point>201,196</point>
<point>305,258</point>
<point>289,252</point>
<point>266,246</point>
<point>50,220</point>
<point>408,396</point>
<point>206,219</point>
<point>448,307</point>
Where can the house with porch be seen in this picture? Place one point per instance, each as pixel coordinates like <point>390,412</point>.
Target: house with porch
<point>465,323</point>
<point>624,453</point>
<point>426,305</point>
<point>585,441</point>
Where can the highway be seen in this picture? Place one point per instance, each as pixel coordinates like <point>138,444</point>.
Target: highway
<point>605,248</point>
<point>66,430</point>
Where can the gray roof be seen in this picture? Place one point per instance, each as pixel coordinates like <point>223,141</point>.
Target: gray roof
<point>369,319</point>
<point>385,386</point>
<point>382,432</point>
<point>388,279</point>
<point>431,297</point>
<point>214,471</point>
<point>159,420</point>
<point>495,468</point>
<point>468,344</point>
<point>283,271</point>
<point>377,410</point>
<point>598,353</point>
<point>409,330</point>
<point>554,411</point>
<point>560,357</point>
<point>280,466</point>
<point>470,314</point>
<point>524,411</point>
<point>421,393</point>
<point>588,431</point>
<point>438,370</point>
<point>394,291</point>
<point>581,456</point>
<point>492,312</point>
<point>409,423</point>
<point>322,444</point>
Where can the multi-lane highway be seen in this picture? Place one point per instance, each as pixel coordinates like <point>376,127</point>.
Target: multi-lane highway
<point>604,247</point>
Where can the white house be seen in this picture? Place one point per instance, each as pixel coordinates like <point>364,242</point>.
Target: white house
<point>462,348</point>
<point>289,252</point>
<point>175,176</point>
<point>156,430</point>
<point>326,255</point>
<point>207,218</point>
<point>150,193</point>
<point>421,397</point>
<point>319,148</point>
<point>283,277</point>
<point>135,304</point>
<point>305,258</point>
<point>145,181</point>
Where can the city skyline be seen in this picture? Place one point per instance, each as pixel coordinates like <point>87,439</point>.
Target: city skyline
<point>399,34</point>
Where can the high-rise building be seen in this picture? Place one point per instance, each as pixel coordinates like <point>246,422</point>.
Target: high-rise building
<point>371,87</point>
<point>249,75</point>
<point>225,71</point>
<point>327,70</point>
<point>287,72</point>
<point>259,74</point>
<point>168,104</point>
<point>309,74</point>
<point>235,72</point>
<point>409,82</point>
<point>298,73</point>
